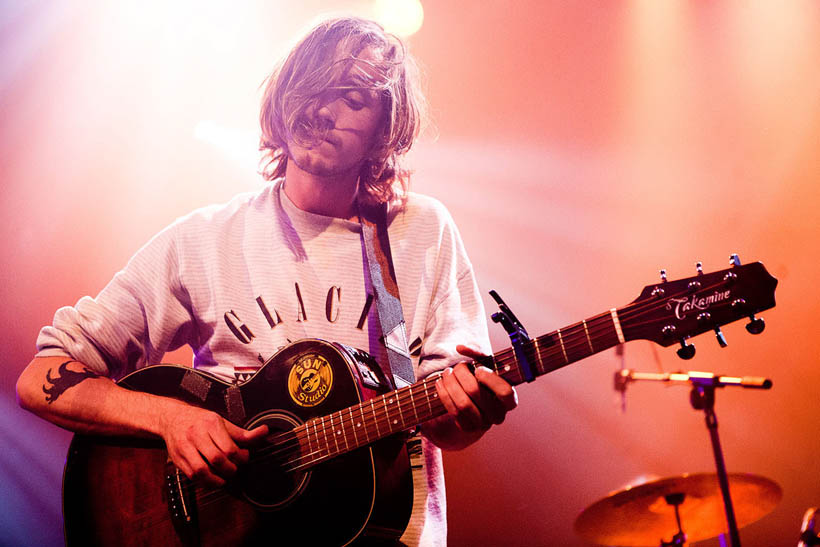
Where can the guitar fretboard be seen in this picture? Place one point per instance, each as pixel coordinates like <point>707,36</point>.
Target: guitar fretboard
<point>560,348</point>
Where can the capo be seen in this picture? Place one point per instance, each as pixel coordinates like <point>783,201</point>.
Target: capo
<point>518,335</point>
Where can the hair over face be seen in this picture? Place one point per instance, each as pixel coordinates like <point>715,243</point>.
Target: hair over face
<point>327,60</point>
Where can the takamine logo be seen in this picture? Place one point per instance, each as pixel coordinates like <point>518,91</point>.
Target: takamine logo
<point>310,380</point>
<point>682,306</point>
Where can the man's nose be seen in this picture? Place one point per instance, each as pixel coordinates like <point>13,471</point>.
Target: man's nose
<point>325,116</point>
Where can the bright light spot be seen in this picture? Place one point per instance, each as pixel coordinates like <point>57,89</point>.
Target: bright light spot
<point>401,17</point>
<point>238,145</point>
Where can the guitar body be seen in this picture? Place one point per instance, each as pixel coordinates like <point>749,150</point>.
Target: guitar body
<point>119,491</point>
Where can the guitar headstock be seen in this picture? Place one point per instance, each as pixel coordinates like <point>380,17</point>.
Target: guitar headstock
<point>671,311</point>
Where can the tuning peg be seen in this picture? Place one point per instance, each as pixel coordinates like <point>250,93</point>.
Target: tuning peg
<point>720,338</point>
<point>663,276</point>
<point>699,267</point>
<point>686,351</point>
<point>755,324</point>
<point>734,260</point>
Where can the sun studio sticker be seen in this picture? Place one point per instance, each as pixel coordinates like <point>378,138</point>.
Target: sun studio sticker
<point>310,380</point>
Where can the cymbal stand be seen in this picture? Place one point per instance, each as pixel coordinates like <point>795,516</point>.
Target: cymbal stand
<point>679,539</point>
<point>702,397</point>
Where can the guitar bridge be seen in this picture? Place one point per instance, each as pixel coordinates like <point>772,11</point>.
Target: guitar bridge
<point>181,504</point>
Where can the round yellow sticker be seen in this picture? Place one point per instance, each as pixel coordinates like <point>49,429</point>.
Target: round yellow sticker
<point>310,380</point>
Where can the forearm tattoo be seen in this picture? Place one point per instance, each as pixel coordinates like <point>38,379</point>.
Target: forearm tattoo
<point>66,379</point>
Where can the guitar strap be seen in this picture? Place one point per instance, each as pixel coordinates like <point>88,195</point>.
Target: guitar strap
<point>379,262</point>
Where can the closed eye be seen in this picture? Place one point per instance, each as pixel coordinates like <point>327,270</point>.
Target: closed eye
<point>354,100</point>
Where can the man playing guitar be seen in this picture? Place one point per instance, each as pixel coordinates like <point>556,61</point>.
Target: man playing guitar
<point>240,281</point>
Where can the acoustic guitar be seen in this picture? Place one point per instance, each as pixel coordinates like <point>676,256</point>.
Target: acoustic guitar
<point>335,470</point>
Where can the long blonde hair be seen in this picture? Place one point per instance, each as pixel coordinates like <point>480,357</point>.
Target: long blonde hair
<point>317,64</point>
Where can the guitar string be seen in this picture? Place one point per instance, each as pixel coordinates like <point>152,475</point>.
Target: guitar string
<point>293,437</point>
<point>212,495</point>
<point>554,350</point>
<point>302,433</point>
<point>381,412</point>
<point>300,463</point>
<point>346,422</point>
<point>405,403</point>
<point>398,396</point>
<point>628,313</point>
<point>326,451</point>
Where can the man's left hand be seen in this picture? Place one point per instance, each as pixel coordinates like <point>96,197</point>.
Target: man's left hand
<point>474,401</point>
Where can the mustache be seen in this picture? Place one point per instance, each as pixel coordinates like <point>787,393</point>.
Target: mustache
<point>310,128</point>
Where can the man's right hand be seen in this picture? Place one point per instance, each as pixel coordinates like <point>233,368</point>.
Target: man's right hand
<point>206,446</point>
<point>200,442</point>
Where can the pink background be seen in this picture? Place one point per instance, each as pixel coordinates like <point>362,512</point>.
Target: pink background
<point>581,146</point>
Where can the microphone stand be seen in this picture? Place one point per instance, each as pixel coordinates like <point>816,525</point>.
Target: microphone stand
<point>702,397</point>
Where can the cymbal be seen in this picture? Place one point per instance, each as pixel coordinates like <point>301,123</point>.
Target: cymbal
<point>641,516</point>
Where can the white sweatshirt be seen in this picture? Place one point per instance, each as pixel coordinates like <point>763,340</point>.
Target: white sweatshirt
<point>239,281</point>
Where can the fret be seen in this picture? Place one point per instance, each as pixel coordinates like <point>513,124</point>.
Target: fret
<point>342,429</point>
<point>387,413</point>
<point>324,432</point>
<point>364,422</point>
<point>575,342</point>
<point>316,435</point>
<point>540,362</point>
<point>413,402</point>
<point>375,418</point>
<point>355,425</point>
<point>307,437</point>
<point>432,397</point>
<point>563,349</point>
<point>429,413</point>
<point>325,445</point>
<point>603,332</point>
<point>517,365</point>
<point>398,406</point>
<point>552,353</point>
<point>338,450</point>
<point>589,341</point>
<point>617,323</point>
<point>429,398</point>
<point>504,368</point>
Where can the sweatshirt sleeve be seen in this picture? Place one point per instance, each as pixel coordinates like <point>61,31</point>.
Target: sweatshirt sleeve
<point>143,312</point>
<point>456,313</point>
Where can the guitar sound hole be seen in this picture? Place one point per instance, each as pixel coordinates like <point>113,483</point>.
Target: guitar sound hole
<point>272,479</point>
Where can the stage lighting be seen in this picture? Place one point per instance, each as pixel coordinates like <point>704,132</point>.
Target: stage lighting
<point>401,17</point>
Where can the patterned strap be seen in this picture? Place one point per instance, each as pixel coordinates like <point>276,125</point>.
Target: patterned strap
<point>386,289</point>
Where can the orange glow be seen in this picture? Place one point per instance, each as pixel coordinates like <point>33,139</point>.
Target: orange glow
<point>580,147</point>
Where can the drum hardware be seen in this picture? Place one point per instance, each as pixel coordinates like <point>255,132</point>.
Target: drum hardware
<point>621,521</point>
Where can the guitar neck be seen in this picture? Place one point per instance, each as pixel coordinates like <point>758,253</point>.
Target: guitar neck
<point>325,437</point>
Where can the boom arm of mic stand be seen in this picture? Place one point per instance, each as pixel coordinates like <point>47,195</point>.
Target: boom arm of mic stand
<point>624,376</point>
<point>703,398</point>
